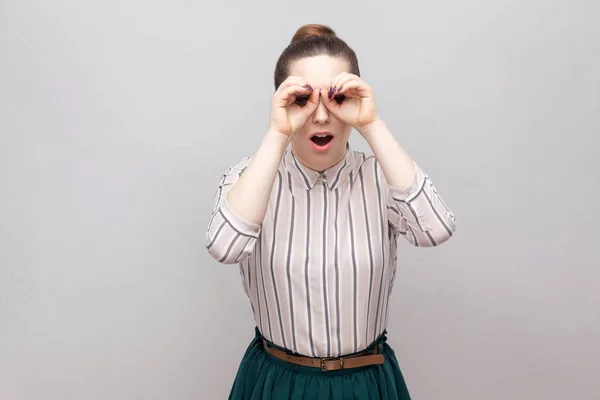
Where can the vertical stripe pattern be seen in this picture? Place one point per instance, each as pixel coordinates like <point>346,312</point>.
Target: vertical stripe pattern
<point>320,269</point>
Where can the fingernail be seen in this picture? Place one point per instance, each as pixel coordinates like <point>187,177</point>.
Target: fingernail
<point>308,87</point>
<point>340,88</point>
<point>330,94</point>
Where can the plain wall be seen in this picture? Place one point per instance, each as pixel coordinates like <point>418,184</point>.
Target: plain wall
<point>117,119</point>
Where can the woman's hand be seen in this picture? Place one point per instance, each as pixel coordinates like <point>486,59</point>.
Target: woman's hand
<point>292,103</point>
<point>351,100</point>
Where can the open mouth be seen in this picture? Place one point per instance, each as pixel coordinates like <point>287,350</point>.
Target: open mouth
<point>322,140</point>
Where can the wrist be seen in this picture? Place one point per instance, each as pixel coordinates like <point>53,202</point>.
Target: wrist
<point>277,138</point>
<point>367,131</point>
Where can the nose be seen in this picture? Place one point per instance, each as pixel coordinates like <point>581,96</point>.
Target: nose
<point>321,114</point>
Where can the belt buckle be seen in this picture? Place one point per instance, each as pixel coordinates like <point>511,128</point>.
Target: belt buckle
<point>324,360</point>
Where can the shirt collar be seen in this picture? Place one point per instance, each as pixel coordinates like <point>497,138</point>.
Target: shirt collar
<point>333,177</point>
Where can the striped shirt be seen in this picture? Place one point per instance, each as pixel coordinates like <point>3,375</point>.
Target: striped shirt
<point>320,268</point>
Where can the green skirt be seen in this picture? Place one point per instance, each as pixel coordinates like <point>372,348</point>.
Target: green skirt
<point>262,376</point>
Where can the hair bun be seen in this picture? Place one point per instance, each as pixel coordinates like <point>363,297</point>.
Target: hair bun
<point>312,30</point>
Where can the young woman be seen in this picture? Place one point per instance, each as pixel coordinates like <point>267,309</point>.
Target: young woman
<point>313,225</point>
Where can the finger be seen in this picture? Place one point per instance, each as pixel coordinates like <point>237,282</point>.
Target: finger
<point>293,83</point>
<point>329,103</point>
<point>294,80</point>
<point>341,79</point>
<point>313,101</point>
<point>337,79</point>
<point>289,94</point>
<point>353,88</point>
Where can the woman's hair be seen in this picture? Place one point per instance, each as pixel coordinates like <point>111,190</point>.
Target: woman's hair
<point>313,40</point>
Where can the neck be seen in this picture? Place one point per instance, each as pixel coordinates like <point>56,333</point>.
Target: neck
<point>318,163</point>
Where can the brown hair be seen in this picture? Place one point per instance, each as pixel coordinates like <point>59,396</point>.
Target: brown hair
<point>314,40</point>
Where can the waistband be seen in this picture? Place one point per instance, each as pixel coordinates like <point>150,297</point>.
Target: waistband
<point>377,343</point>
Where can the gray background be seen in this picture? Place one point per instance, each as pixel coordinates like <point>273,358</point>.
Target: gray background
<point>118,117</point>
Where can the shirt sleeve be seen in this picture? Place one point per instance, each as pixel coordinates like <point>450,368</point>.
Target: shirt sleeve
<point>419,213</point>
<point>229,238</point>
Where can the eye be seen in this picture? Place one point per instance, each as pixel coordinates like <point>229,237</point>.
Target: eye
<point>301,100</point>
<point>339,98</point>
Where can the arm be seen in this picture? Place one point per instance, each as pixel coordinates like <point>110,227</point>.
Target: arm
<point>398,167</point>
<point>412,196</point>
<point>241,202</point>
<point>244,191</point>
<point>250,195</point>
<point>416,210</point>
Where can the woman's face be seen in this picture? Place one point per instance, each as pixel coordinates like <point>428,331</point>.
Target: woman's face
<point>320,153</point>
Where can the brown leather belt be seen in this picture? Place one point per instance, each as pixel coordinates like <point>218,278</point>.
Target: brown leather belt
<point>330,363</point>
